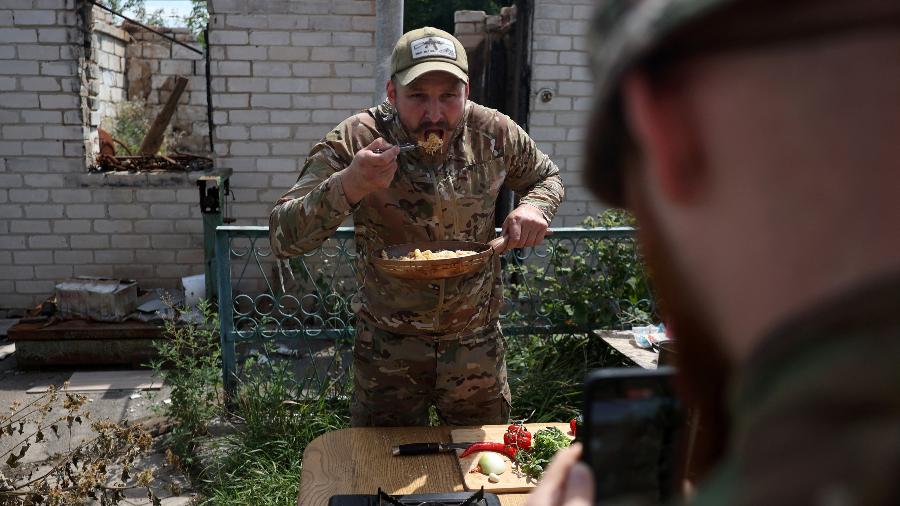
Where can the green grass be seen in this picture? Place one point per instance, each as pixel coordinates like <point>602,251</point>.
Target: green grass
<point>263,461</point>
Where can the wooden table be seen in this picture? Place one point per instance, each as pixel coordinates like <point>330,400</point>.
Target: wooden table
<point>358,461</point>
<point>623,342</point>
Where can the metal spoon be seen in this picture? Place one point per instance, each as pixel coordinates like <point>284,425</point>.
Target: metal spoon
<point>403,148</point>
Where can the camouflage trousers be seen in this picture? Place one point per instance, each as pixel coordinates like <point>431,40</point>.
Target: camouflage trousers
<point>398,377</point>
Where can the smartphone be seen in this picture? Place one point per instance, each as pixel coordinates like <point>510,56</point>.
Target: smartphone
<point>632,425</point>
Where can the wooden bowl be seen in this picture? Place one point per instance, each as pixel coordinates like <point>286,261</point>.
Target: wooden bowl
<point>433,269</point>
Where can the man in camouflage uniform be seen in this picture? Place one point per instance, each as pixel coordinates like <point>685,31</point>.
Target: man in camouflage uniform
<point>436,342</point>
<point>757,144</point>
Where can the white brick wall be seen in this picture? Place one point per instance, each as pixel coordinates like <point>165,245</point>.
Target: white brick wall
<point>107,70</point>
<point>559,63</point>
<point>284,73</point>
<point>56,221</point>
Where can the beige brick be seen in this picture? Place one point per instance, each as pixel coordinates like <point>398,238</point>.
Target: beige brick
<point>134,271</point>
<point>113,226</point>
<point>173,241</point>
<point>17,272</point>
<point>54,272</point>
<point>114,256</point>
<point>331,54</point>
<point>28,195</point>
<point>86,211</point>
<point>73,257</point>
<point>169,211</point>
<point>71,226</point>
<point>70,196</point>
<point>104,271</point>
<point>333,85</point>
<point>36,287</point>
<point>154,256</point>
<point>29,226</point>
<point>270,69</point>
<point>270,38</point>
<point>311,69</point>
<point>92,241</point>
<point>282,53</point>
<point>32,257</point>
<point>48,242</point>
<point>43,211</point>
<point>128,211</point>
<point>271,101</point>
<point>289,85</point>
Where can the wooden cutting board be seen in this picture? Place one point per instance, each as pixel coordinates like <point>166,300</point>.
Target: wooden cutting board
<point>511,480</point>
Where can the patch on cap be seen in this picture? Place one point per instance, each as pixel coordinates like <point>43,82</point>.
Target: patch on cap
<point>432,46</point>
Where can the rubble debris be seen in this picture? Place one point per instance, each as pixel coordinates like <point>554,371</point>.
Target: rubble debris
<point>178,162</point>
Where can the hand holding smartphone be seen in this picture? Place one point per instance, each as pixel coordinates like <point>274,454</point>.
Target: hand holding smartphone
<point>632,422</point>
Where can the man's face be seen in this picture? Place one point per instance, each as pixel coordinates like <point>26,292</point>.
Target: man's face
<point>433,103</point>
<point>703,369</point>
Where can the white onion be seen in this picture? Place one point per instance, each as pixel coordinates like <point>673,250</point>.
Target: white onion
<point>492,463</point>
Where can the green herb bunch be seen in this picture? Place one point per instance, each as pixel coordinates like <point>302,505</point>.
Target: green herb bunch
<point>544,445</point>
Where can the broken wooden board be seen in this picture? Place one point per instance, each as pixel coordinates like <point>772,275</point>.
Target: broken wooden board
<point>100,381</point>
<point>154,138</point>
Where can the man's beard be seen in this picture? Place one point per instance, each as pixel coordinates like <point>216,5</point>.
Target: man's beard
<point>703,371</point>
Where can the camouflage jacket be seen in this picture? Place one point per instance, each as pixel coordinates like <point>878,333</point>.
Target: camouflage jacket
<point>816,412</point>
<point>428,200</point>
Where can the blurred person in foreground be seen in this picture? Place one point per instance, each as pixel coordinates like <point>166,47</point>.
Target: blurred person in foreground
<point>422,343</point>
<point>758,145</point>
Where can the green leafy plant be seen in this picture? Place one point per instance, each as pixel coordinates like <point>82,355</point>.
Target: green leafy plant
<point>97,467</point>
<point>197,20</point>
<point>598,283</point>
<point>138,10</point>
<point>190,362</point>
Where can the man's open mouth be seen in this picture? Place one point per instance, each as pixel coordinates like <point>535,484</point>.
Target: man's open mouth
<point>436,131</point>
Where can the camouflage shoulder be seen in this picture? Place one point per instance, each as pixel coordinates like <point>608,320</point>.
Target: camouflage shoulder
<point>492,123</point>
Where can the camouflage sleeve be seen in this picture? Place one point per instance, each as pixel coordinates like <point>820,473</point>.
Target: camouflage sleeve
<point>316,205</point>
<point>532,175</point>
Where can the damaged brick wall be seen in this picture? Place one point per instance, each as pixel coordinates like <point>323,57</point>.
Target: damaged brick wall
<point>105,74</point>
<point>152,63</point>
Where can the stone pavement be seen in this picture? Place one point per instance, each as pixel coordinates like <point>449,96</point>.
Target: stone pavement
<point>117,405</point>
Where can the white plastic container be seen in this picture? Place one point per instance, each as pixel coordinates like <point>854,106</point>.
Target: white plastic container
<point>194,289</point>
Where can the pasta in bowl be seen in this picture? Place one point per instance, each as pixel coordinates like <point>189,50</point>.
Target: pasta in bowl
<point>432,260</point>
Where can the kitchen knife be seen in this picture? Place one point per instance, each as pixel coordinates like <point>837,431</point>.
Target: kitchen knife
<point>426,448</point>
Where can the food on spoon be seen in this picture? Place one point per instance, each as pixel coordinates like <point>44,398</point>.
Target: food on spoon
<point>418,254</point>
<point>433,144</point>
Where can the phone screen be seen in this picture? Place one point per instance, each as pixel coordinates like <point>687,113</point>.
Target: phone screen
<point>632,421</point>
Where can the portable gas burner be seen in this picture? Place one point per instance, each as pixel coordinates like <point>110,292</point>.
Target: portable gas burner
<point>479,498</point>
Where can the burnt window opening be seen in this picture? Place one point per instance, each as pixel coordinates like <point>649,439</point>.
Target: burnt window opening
<point>129,75</point>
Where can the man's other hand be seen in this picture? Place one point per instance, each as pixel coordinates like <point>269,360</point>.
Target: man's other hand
<point>566,481</point>
<point>525,226</point>
<point>370,170</point>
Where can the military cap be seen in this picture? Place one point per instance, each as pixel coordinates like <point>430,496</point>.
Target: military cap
<point>426,50</point>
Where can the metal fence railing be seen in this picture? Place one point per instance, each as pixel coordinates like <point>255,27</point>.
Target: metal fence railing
<point>579,280</point>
